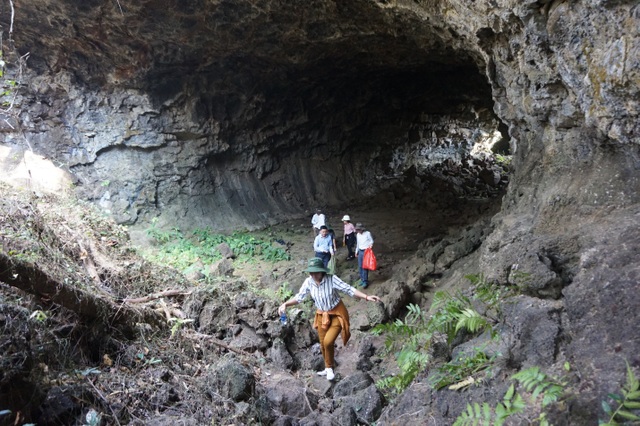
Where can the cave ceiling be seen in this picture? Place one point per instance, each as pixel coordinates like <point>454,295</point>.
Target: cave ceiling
<point>155,45</point>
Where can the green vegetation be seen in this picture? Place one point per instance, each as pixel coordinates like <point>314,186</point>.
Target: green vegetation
<point>512,403</point>
<point>411,339</point>
<point>451,315</point>
<point>459,371</point>
<point>544,391</point>
<point>200,247</point>
<point>627,401</point>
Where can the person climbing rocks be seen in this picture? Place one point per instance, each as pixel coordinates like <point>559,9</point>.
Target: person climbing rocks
<point>349,237</point>
<point>317,221</point>
<point>332,317</point>
<point>364,240</point>
<point>323,245</point>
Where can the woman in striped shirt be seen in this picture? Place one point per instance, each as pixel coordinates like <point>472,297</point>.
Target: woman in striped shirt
<point>332,317</point>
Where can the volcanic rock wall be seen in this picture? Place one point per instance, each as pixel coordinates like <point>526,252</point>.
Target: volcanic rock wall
<point>238,113</point>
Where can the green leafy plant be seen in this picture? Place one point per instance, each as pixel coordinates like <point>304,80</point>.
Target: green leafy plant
<point>284,293</point>
<point>544,389</point>
<point>182,252</point>
<point>178,323</point>
<point>503,160</point>
<point>627,401</point>
<point>412,337</point>
<point>459,370</point>
<point>38,315</point>
<point>476,414</point>
<point>453,314</point>
<point>411,363</point>
<point>489,293</point>
<point>540,384</point>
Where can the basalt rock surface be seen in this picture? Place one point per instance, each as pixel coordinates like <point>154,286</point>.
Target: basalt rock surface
<point>236,113</point>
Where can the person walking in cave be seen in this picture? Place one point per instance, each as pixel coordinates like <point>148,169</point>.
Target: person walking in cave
<point>364,240</point>
<point>349,237</point>
<point>317,221</point>
<point>323,245</point>
<point>332,317</point>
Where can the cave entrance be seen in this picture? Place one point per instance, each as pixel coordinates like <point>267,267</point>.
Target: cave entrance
<point>345,136</point>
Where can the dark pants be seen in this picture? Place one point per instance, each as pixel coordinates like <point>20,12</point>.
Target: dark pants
<point>364,273</point>
<point>350,242</point>
<point>326,257</point>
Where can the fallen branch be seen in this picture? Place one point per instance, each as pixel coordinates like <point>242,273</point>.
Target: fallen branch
<point>166,293</point>
<point>216,342</point>
<point>30,278</point>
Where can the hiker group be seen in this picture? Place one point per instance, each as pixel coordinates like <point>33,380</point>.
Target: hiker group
<point>322,285</point>
<point>355,238</point>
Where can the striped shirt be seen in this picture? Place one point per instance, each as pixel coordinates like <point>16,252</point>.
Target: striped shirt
<point>325,294</point>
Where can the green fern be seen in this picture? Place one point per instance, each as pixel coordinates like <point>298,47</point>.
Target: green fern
<point>540,384</point>
<point>629,400</point>
<point>458,370</point>
<point>471,320</point>
<point>455,313</point>
<point>410,339</point>
<point>476,414</point>
<point>411,363</point>
<point>490,293</point>
<point>532,380</point>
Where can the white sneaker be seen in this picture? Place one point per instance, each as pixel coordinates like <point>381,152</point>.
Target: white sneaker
<point>330,374</point>
<point>323,372</point>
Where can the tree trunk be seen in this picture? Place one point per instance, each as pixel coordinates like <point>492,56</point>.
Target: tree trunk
<point>30,278</point>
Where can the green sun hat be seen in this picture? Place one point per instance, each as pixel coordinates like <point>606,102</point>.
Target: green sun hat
<point>316,265</point>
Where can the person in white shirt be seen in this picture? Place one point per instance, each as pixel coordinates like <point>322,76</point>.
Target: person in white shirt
<point>317,221</point>
<point>364,240</point>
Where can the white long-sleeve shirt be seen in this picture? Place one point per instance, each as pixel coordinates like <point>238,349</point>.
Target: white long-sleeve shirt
<point>317,220</point>
<point>364,241</point>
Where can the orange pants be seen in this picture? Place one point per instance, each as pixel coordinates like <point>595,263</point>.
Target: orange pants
<point>328,339</point>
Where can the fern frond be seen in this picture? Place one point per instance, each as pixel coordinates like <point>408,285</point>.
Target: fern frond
<point>471,320</point>
<point>476,414</point>
<point>629,401</point>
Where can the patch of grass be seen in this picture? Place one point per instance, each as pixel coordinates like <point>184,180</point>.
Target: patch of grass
<point>182,252</point>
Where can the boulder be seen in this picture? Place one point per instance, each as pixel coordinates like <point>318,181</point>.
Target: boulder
<point>232,380</point>
<point>248,340</point>
<point>290,397</point>
<point>225,251</point>
<point>280,355</point>
<point>367,403</point>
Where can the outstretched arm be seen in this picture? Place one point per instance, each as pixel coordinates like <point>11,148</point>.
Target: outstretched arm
<point>370,298</point>
<point>291,302</point>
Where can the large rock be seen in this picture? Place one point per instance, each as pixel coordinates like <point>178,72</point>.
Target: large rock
<point>280,355</point>
<point>233,380</point>
<point>367,403</point>
<point>290,397</point>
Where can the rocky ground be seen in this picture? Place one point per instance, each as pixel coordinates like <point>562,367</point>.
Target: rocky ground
<point>223,357</point>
